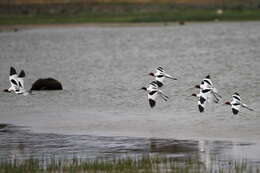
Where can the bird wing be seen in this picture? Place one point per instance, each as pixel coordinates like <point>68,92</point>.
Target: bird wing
<point>164,97</point>
<point>236,105</point>
<point>245,106</point>
<point>201,103</point>
<point>160,78</point>
<point>14,83</point>
<point>169,76</point>
<point>20,80</point>
<point>151,98</point>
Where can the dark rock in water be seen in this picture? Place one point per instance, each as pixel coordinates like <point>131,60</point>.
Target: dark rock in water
<point>46,84</point>
<point>3,126</point>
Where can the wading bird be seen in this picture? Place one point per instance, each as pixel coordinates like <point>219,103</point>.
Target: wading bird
<point>16,81</point>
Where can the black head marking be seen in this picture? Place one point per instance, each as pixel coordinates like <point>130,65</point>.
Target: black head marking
<point>22,74</point>
<point>12,71</point>
<point>143,88</point>
<point>152,103</point>
<point>6,90</point>
<point>235,111</point>
<point>208,76</point>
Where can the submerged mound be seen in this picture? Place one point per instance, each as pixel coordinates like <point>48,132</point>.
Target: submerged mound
<point>46,84</point>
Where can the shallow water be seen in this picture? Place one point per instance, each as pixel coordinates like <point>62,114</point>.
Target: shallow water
<point>101,69</point>
<point>19,143</point>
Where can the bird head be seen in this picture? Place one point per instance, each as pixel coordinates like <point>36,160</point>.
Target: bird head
<point>151,74</point>
<point>227,103</point>
<point>143,88</point>
<point>194,94</point>
<point>6,90</point>
<point>197,86</point>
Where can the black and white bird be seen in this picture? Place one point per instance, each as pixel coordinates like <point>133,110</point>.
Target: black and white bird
<point>160,75</point>
<point>236,104</point>
<point>152,92</point>
<point>16,82</point>
<point>206,84</point>
<point>202,99</point>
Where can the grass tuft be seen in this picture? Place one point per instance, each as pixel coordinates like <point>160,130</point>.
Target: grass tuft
<point>146,164</point>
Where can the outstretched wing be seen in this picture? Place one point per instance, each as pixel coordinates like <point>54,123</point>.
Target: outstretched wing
<point>22,74</point>
<point>245,106</point>
<point>13,80</point>
<point>235,107</point>
<point>20,80</point>
<point>164,97</point>
<point>12,71</point>
<point>201,103</point>
<point>169,76</point>
<point>152,103</point>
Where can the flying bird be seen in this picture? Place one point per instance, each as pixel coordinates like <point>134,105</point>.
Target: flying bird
<point>206,84</point>
<point>236,104</point>
<point>160,75</point>
<point>152,93</point>
<point>202,100</point>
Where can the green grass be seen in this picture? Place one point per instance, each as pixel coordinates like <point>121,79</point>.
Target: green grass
<point>152,164</point>
<point>132,17</point>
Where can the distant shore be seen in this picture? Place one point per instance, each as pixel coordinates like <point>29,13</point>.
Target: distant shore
<point>122,13</point>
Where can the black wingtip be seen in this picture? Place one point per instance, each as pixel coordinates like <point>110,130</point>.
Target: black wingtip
<point>235,111</point>
<point>202,100</point>
<point>201,109</point>
<point>208,76</point>
<point>22,74</point>
<point>152,103</point>
<point>12,71</point>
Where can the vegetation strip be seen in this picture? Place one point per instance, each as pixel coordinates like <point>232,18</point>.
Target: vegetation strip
<point>146,164</point>
<point>124,17</point>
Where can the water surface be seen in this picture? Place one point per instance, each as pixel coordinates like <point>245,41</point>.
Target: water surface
<point>101,108</point>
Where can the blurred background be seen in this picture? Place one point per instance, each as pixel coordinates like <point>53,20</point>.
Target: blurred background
<point>79,11</point>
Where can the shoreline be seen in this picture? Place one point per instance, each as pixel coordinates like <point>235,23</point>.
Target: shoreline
<point>18,27</point>
<point>131,18</point>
